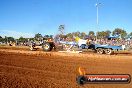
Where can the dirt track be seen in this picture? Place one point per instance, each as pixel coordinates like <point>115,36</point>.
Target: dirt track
<point>22,68</point>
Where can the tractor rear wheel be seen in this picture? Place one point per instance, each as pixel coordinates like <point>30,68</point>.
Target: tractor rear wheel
<point>47,47</point>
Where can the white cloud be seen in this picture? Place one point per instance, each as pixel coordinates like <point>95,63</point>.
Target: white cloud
<point>15,34</point>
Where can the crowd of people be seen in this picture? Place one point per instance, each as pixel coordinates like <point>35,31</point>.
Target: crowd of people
<point>115,42</point>
<point>104,41</point>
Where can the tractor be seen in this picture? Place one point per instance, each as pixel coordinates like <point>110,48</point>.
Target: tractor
<point>47,44</point>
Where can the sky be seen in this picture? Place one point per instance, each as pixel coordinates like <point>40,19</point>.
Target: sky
<point>28,17</point>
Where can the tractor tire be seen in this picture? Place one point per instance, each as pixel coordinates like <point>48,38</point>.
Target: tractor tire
<point>108,51</point>
<point>47,47</point>
<point>81,80</point>
<point>33,49</point>
<point>100,51</point>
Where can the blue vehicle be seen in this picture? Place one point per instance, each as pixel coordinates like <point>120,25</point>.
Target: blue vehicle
<point>103,49</point>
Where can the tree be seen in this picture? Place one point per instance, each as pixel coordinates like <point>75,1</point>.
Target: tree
<point>99,35</point>
<point>62,36</point>
<point>103,34</point>
<point>76,33</point>
<point>108,32</point>
<point>130,35</point>
<point>82,35</point>
<point>46,36</point>
<point>91,33</point>
<point>51,36</point>
<point>1,39</point>
<point>11,39</point>
<point>21,39</point>
<point>69,35</point>
<point>31,39</point>
<point>119,31</point>
<point>61,29</point>
<point>38,36</point>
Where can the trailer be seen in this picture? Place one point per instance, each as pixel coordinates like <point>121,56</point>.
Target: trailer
<point>103,49</point>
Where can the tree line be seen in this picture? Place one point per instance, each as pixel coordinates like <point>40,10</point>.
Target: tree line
<point>100,34</point>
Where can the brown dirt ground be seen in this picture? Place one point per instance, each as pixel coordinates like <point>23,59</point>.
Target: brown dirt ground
<point>21,68</point>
